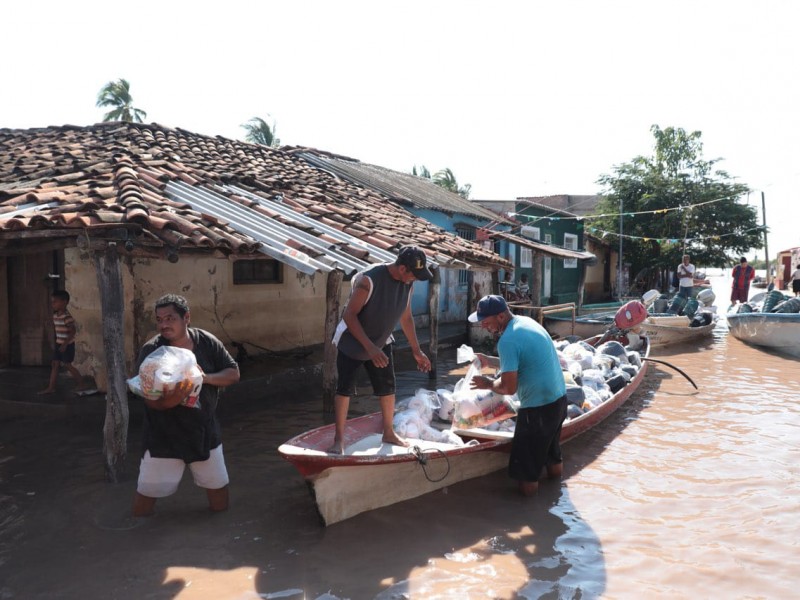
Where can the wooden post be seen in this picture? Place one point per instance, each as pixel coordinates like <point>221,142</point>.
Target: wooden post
<point>583,265</point>
<point>332,295</point>
<point>434,285</point>
<point>115,429</point>
<point>766,247</point>
<point>536,279</point>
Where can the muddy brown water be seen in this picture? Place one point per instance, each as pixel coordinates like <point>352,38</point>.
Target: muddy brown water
<point>682,493</point>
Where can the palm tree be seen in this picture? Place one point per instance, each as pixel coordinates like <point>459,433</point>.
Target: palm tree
<point>447,180</point>
<point>423,172</point>
<point>259,132</point>
<point>118,94</point>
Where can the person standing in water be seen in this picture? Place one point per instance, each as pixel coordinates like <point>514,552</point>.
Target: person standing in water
<point>529,367</point>
<point>64,331</point>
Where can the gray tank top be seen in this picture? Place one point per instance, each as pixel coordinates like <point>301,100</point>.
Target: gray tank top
<point>380,314</point>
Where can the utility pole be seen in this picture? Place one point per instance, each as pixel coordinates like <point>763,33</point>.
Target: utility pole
<point>619,261</point>
<point>766,248</point>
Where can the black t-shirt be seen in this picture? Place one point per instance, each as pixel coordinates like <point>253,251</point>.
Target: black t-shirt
<point>181,432</point>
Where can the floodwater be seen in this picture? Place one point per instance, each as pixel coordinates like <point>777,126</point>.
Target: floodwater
<point>682,493</point>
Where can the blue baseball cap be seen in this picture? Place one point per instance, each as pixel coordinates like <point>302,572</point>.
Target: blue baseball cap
<point>488,306</point>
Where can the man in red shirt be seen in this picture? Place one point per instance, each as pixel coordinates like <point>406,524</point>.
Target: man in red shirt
<point>742,276</point>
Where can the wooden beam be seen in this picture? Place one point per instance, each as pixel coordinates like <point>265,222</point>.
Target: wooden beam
<point>434,287</point>
<point>536,279</point>
<point>115,429</point>
<point>332,316</point>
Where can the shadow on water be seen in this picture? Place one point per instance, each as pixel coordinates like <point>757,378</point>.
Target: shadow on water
<point>68,533</point>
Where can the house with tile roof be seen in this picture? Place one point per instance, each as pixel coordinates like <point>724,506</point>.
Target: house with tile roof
<point>460,288</point>
<point>260,241</point>
<point>601,277</point>
<point>547,247</point>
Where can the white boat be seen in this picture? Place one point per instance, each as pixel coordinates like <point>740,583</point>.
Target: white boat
<point>777,331</point>
<point>662,328</point>
<point>669,330</point>
<point>371,474</point>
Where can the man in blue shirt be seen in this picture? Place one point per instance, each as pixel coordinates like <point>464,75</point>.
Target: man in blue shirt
<point>529,367</point>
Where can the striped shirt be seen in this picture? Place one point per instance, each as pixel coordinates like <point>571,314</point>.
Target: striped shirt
<point>64,326</point>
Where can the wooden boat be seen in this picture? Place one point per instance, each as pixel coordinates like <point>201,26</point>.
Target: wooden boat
<point>777,331</point>
<point>371,474</point>
<point>669,330</point>
<point>594,319</point>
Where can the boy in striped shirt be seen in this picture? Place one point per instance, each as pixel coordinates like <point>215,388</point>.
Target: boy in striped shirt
<point>64,350</point>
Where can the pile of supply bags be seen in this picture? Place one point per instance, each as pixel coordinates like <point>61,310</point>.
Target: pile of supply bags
<point>592,376</point>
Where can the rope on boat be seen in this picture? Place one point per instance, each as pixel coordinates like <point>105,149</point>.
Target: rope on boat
<point>423,461</point>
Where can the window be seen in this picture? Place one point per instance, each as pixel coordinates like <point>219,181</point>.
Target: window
<point>246,272</point>
<point>467,233</point>
<point>571,243</point>
<point>525,257</point>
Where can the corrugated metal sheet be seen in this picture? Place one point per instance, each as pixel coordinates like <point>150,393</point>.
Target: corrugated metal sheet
<point>541,247</point>
<point>416,191</point>
<point>273,234</point>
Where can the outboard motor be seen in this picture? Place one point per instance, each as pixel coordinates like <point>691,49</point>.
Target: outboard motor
<point>630,315</point>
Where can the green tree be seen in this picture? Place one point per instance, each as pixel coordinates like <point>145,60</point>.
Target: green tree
<point>687,206</point>
<point>445,179</point>
<point>117,94</point>
<point>259,132</point>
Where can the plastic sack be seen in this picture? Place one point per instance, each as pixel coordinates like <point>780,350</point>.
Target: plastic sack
<point>482,409</point>
<point>464,354</point>
<point>477,408</point>
<point>163,370</point>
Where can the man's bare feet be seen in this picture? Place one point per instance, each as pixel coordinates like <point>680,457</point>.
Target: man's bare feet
<point>394,439</point>
<point>47,391</point>
<point>337,447</point>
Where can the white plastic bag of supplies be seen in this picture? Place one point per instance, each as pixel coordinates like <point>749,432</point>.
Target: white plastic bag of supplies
<point>164,369</point>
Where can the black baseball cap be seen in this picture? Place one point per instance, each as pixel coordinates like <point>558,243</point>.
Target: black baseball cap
<point>415,261</point>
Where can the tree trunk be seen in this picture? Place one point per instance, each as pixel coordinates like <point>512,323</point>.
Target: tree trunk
<point>115,429</point>
<point>434,285</point>
<point>332,295</point>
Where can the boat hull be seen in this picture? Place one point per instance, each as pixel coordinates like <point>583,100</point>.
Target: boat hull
<point>343,486</point>
<point>666,335</point>
<point>585,326</point>
<point>778,331</point>
<point>659,335</point>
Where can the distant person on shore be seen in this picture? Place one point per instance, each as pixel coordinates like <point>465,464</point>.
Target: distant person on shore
<point>175,436</point>
<point>63,342</point>
<point>743,274</point>
<point>796,280</point>
<point>508,288</point>
<point>529,367</point>
<point>685,277</point>
<point>380,297</point>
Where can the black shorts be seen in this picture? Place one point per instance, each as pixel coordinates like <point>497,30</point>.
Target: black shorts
<point>795,285</point>
<point>383,382</point>
<point>535,445</point>
<point>65,357</point>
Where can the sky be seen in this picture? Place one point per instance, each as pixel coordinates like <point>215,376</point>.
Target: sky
<point>519,99</point>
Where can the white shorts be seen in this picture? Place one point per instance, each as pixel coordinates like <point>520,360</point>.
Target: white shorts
<point>159,477</point>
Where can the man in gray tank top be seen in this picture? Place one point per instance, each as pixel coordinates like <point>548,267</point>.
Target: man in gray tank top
<point>380,297</point>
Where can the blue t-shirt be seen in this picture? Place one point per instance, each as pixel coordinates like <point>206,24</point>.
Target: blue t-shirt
<point>525,347</point>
